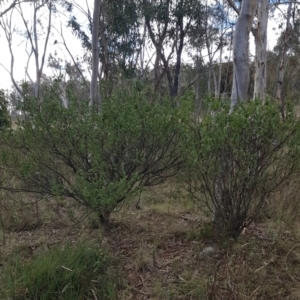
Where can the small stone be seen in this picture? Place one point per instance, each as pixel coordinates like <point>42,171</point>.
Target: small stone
<point>206,251</point>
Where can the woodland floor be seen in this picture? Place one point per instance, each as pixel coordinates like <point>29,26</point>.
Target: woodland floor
<point>166,251</point>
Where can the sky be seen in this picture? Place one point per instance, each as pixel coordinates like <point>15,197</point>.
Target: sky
<point>19,44</point>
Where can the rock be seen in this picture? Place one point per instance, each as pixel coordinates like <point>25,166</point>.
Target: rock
<point>206,251</point>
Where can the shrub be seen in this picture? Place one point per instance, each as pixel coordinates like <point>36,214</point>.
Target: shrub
<point>98,159</point>
<point>72,273</point>
<point>235,161</point>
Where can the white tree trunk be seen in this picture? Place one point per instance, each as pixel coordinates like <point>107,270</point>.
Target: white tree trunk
<point>284,58</point>
<point>241,70</point>
<point>240,84</point>
<point>216,90</point>
<point>197,87</point>
<point>94,90</point>
<point>261,49</point>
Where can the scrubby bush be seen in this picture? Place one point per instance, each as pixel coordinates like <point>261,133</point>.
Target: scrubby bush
<point>98,159</point>
<point>79,272</point>
<point>235,161</point>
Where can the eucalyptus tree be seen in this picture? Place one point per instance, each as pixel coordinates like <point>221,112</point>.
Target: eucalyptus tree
<point>94,96</point>
<point>284,66</point>
<point>259,25</point>
<point>168,23</point>
<point>260,35</point>
<point>32,34</point>
<point>264,7</point>
<point>241,70</point>
<point>119,38</point>
<point>209,41</point>
<point>121,35</point>
<point>35,17</point>
<point>284,57</point>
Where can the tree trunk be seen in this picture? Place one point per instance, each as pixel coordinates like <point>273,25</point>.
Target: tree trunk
<point>214,76</point>
<point>261,49</point>
<point>197,90</point>
<point>218,90</point>
<point>158,41</point>
<point>36,55</point>
<point>241,68</point>
<point>240,84</point>
<point>178,54</point>
<point>209,84</point>
<point>105,66</point>
<point>283,61</point>
<point>94,90</point>
<point>104,218</point>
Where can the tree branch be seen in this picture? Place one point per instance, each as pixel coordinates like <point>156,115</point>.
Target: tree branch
<point>47,38</point>
<point>72,57</point>
<point>235,8</point>
<point>7,28</point>
<point>13,4</point>
<point>26,68</point>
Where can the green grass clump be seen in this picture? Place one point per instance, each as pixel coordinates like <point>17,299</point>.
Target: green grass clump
<point>76,272</point>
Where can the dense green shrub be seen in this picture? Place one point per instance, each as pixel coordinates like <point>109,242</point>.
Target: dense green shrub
<point>79,272</point>
<point>98,159</point>
<point>235,161</point>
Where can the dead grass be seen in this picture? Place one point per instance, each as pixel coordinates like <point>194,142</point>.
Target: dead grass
<point>158,250</point>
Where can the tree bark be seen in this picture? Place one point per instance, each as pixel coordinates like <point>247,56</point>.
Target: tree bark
<point>158,43</point>
<point>261,49</point>
<point>283,61</point>
<point>241,70</point>
<point>197,89</point>
<point>178,59</point>
<point>218,89</point>
<point>95,98</point>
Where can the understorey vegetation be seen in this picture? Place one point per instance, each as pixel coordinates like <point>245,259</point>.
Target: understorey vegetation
<point>229,170</point>
<point>97,159</point>
<point>235,162</point>
<point>230,163</point>
<point>71,273</point>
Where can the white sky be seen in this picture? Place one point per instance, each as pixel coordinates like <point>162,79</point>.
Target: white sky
<point>19,45</point>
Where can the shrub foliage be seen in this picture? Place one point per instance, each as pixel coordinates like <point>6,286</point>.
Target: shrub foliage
<point>98,159</point>
<point>235,161</point>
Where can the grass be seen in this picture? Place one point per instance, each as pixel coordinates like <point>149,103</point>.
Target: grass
<point>154,252</point>
<point>75,272</point>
